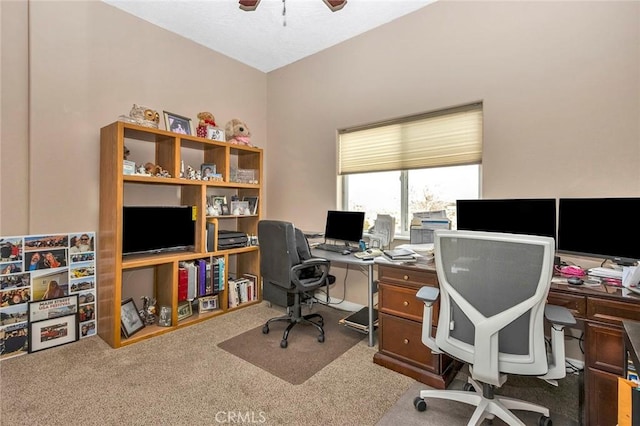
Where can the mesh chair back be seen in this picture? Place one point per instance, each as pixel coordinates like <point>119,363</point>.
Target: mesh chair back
<point>493,280</point>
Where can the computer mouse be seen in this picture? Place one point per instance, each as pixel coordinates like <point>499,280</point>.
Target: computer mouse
<point>574,281</point>
<point>346,252</point>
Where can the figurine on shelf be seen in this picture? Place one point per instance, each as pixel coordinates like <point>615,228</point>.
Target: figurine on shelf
<point>148,311</point>
<point>191,173</point>
<point>142,116</point>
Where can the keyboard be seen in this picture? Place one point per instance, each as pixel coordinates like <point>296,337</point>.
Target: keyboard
<point>335,247</point>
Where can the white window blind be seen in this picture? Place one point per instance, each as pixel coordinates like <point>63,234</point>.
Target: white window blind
<point>443,138</point>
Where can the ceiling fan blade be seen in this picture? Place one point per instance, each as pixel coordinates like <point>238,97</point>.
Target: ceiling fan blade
<point>335,4</point>
<point>248,5</point>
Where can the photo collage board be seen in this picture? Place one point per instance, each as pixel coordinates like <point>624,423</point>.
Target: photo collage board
<point>37,268</point>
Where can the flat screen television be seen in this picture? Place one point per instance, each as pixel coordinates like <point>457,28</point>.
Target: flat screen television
<point>344,226</point>
<point>607,228</point>
<point>531,216</point>
<point>156,229</point>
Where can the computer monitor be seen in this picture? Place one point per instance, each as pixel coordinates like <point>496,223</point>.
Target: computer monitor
<point>607,228</point>
<point>344,226</point>
<point>531,216</point>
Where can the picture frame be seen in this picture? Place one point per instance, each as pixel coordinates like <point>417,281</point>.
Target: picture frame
<point>207,170</point>
<point>177,123</point>
<point>130,319</point>
<point>53,332</point>
<point>216,134</point>
<point>240,208</point>
<point>164,320</point>
<point>53,308</point>
<point>184,310</point>
<point>253,203</point>
<point>207,303</point>
<point>225,209</point>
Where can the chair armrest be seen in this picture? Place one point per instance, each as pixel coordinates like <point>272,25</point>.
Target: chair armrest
<point>315,263</point>
<point>559,315</point>
<point>428,294</point>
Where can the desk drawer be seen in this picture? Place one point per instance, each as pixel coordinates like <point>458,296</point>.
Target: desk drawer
<point>408,276</point>
<point>402,301</point>
<point>612,311</point>
<point>402,339</point>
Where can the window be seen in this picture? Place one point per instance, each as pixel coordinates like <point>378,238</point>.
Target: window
<point>413,164</point>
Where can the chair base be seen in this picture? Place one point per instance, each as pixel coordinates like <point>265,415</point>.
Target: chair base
<point>293,320</point>
<point>487,407</point>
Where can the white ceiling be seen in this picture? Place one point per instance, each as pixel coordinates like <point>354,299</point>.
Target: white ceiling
<point>259,38</point>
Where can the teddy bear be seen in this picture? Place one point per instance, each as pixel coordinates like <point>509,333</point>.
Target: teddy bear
<point>205,119</point>
<point>237,132</point>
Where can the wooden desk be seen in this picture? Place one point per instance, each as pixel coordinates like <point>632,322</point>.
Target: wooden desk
<point>600,313</point>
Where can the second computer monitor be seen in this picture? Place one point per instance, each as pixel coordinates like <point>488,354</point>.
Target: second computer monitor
<point>344,226</point>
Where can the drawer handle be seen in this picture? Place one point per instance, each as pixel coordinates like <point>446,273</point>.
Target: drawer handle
<point>406,277</point>
<point>406,341</point>
<point>405,303</point>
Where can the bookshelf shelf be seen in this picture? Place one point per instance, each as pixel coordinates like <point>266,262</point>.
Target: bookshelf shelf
<point>172,152</point>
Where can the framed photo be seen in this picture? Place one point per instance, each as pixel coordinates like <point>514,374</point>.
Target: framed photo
<point>225,209</point>
<point>53,308</point>
<point>240,208</point>
<point>253,204</point>
<point>164,320</point>
<point>216,134</point>
<point>130,318</point>
<point>208,303</point>
<point>177,124</point>
<point>53,332</point>
<point>184,310</point>
<point>207,170</point>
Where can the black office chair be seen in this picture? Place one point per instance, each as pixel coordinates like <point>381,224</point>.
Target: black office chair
<point>286,264</point>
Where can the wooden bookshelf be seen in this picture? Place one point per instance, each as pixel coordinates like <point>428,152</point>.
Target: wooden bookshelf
<point>171,151</point>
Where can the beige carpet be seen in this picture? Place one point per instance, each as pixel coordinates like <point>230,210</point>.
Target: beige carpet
<point>562,401</point>
<point>184,378</point>
<point>304,355</point>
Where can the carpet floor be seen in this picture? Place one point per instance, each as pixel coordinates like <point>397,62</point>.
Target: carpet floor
<point>304,354</point>
<point>562,401</point>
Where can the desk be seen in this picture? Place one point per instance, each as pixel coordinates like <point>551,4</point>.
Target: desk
<point>350,259</point>
<point>600,312</point>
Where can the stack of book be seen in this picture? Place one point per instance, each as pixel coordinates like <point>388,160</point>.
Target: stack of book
<point>401,255</point>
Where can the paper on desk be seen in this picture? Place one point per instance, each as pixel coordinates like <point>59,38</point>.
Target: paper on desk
<point>630,276</point>
<point>424,252</point>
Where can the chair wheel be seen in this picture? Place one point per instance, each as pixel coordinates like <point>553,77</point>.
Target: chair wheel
<point>545,421</point>
<point>420,404</point>
<point>468,387</point>
<point>321,338</point>
<point>283,344</point>
<point>265,329</point>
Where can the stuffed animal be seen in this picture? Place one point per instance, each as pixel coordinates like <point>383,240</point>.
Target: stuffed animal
<point>206,119</point>
<point>142,116</point>
<point>237,132</point>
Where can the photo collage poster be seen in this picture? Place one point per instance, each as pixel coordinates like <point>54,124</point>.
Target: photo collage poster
<point>41,267</point>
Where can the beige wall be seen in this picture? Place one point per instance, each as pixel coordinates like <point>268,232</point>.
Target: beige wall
<point>560,82</point>
<point>88,64</point>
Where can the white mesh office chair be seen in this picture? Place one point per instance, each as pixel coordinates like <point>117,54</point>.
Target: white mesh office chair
<point>493,291</point>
